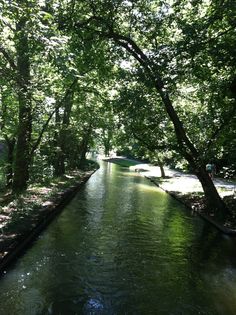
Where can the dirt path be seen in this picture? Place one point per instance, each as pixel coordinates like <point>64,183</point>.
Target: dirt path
<point>181,182</point>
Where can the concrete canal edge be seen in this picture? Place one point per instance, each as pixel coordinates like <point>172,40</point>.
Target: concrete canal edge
<point>26,240</point>
<point>219,227</point>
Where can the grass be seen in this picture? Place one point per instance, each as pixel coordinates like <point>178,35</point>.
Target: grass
<point>126,163</point>
<point>123,162</point>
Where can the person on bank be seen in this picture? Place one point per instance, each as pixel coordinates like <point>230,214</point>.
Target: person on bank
<point>210,168</point>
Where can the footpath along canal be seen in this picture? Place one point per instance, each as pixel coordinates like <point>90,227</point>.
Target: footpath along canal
<point>123,246</point>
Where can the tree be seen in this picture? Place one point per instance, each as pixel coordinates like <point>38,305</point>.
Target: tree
<point>145,122</point>
<point>138,28</point>
<point>8,128</point>
<point>22,160</point>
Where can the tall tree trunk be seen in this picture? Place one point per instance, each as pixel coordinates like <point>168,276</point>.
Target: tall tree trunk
<point>107,138</point>
<point>84,148</point>
<point>63,135</point>
<point>59,166</point>
<point>163,175</point>
<point>22,159</point>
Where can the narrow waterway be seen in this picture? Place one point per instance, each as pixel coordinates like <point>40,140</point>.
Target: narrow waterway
<point>122,246</point>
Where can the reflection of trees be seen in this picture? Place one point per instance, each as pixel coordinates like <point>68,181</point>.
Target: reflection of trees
<point>120,245</point>
<point>205,245</point>
<point>60,279</point>
<point>212,247</point>
<point>91,232</point>
<point>146,253</point>
<point>210,254</point>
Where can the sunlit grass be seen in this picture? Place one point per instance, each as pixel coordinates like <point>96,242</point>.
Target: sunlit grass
<point>125,163</point>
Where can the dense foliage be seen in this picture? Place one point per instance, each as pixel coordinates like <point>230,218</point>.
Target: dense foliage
<point>154,77</point>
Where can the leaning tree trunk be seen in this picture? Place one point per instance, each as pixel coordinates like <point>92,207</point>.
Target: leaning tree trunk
<point>213,200</point>
<point>22,158</point>
<point>188,150</point>
<point>187,147</point>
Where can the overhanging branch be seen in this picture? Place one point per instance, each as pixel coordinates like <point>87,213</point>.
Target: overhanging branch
<point>9,59</point>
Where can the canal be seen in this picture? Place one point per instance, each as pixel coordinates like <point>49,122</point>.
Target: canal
<point>122,246</point>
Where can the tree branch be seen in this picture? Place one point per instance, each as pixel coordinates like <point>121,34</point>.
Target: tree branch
<point>59,103</point>
<point>151,68</point>
<point>220,128</point>
<point>8,58</point>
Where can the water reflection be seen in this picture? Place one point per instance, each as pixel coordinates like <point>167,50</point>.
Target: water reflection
<point>124,247</point>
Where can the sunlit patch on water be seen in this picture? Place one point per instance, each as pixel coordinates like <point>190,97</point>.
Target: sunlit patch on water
<point>147,187</point>
<point>93,306</point>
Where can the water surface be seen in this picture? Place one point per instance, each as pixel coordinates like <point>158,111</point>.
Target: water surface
<point>122,246</point>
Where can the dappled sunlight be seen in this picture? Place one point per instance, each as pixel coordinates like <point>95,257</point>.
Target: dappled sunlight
<point>69,176</point>
<point>181,182</point>
<point>47,204</point>
<point>149,88</point>
<point>41,190</point>
<point>61,182</point>
<point>8,209</point>
<point>183,185</point>
<point>22,213</point>
<point>180,234</point>
<point>52,184</point>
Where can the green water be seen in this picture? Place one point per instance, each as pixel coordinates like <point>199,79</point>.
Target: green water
<point>123,246</point>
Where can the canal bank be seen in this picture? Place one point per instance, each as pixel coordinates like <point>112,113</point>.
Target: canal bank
<point>123,246</point>
<point>187,189</point>
<point>24,218</point>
